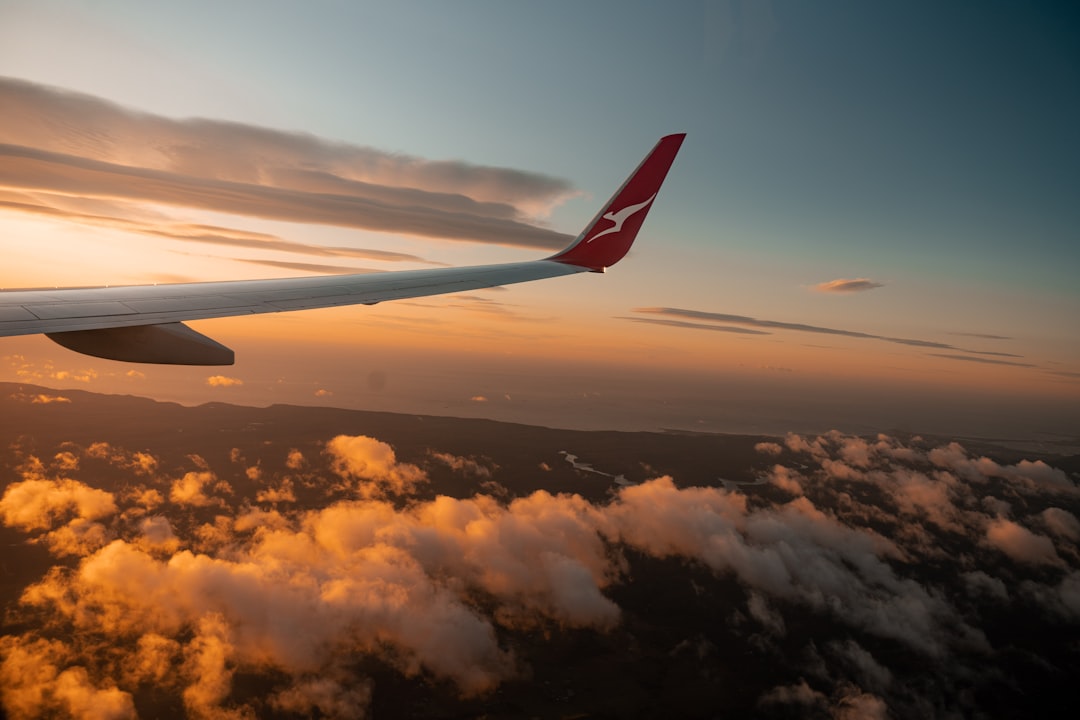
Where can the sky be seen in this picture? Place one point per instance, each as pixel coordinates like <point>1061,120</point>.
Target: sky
<point>871,225</point>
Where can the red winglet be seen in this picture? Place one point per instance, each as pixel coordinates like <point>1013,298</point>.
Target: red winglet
<point>609,236</point>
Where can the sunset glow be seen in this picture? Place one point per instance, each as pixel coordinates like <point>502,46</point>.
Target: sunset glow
<point>104,184</point>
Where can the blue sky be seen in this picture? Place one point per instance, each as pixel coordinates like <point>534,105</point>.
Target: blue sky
<point>929,147</point>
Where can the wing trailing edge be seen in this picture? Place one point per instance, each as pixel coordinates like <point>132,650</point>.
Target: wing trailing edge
<point>144,323</point>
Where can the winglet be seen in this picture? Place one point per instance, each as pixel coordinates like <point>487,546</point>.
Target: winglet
<point>606,239</point>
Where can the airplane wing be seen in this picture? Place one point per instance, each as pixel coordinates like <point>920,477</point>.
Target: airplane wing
<point>144,323</point>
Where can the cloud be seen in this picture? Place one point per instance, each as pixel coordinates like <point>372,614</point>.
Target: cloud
<point>43,399</point>
<point>690,325</point>
<point>294,460</point>
<point>63,144</point>
<point>83,376</point>
<point>157,534</point>
<point>847,286</point>
<point>768,448</point>
<point>981,336</point>
<point>33,685</point>
<point>282,493</point>
<point>466,466</point>
<point>1021,544</point>
<point>800,694</point>
<point>678,317</point>
<point>984,361</point>
<point>190,489</point>
<point>438,587</point>
<point>1062,523</point>
<point>223,381</point>
<point>374,464</point>
<point>130,218</point>
<point>38,503</point>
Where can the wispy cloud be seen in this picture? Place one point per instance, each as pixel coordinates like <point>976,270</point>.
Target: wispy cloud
<point>104,213</point>
<point>308,267</point>
<point>981,336</point>
<point>678,317</point>
<point>691,325</point>
<point>847,286</point>
<point>63,144</point>
<point>983,360</point>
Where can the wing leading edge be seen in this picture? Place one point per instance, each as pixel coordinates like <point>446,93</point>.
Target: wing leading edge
<point>144,323</point>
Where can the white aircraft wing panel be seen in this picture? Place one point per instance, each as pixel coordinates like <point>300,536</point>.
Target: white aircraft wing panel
<point>25,312</point>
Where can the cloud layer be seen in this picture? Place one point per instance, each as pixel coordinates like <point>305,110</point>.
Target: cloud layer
<point>180,585</point>
<point>81,158</point>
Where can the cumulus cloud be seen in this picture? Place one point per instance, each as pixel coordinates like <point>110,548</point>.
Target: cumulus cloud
<point>32,684</point>
<point>141,463</point>
<point>1062,523</point>
<point>373,464</point>
<point>191,489</point>
<point>79,157</point>
<point>223,381</point>
<point>435,587</point>
<point>768,448</point>
<point>39,503</point>
<point>1019,543</point>
<point>847,286</point>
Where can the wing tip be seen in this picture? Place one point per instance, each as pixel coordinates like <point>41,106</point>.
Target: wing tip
<point>616,229</point>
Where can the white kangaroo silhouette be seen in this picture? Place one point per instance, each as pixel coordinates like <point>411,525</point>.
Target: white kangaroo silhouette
<point>619,218</point>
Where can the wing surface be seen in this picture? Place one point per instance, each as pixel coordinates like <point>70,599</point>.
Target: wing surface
<point>143,323</point>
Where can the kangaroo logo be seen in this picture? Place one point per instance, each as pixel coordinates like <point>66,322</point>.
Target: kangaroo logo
<point>619,218</point>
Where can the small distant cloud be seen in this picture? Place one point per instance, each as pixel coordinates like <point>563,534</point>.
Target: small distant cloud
<point>322,392</point>
<point>768,448</point>
<point>478,399</point>
<point>83,376</point>
<point>190,489</point>
<point>842,285</point>
<point>47,399</point>
<point>464,465</point>
<point>135,375</point>
<point>223,381</point>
